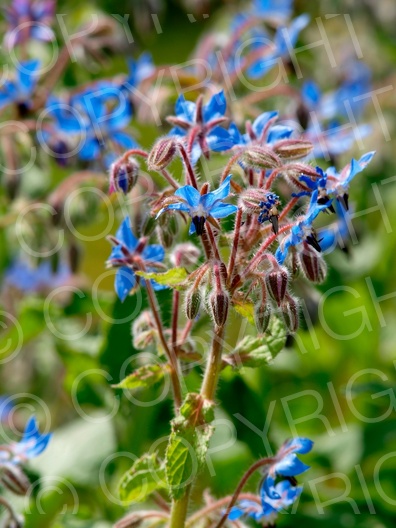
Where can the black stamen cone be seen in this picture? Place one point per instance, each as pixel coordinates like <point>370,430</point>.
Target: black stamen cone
<point>199,222</point>
<point>323,200</point>
<point>344,201</point>
<point>275,224</point>
<point>292,480</point>
<point>314,242</point>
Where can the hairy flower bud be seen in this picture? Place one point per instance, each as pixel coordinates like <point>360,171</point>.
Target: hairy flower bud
<point>293,148</point>
<point>193,303</point>
<point>123,176</point>
<point>144,330</point>
<point>276,282</point>
<point>162,153</point>
<point>289,310</point>
<point>312,264</point>
<point>260,158</point>
<point>218,303</point>
<point>262,316</point>
<point>186,254</point>
<point>13,478</point>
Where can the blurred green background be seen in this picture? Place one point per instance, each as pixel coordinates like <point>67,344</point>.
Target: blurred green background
<point>334,383</point>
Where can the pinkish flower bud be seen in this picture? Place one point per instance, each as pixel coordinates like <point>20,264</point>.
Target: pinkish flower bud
<point>289,310</point>
<point>123,176</point>
<point>218,303</point>
<point>293,148</point>
<point>312,264</point>
<point>261,158</point>
<point>144,331</point>
<point>186,254</point>
<point>262,316</point>
<point>162,153</point>
<point>276,282</point>
<point>193,303</point>
<point>14,479</point>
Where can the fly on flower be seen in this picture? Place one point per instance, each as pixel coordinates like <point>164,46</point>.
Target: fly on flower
<point>202,207</point>
<point>131,254</point>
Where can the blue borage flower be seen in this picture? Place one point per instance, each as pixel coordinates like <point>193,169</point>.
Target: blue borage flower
<point>24,277</point>
<point>128,255</point>
<point>201,207</point>
<point>32,444</point>
<point>286,464</point>
<point>202,121</point>
<point>20,89</point>
<point>333,184</point>
<point>96,117</point>
<point>139,70</point>
<point>337,233</point>
<point>266,512</point>
<point>262,131</point>
<point>302,231</point>
<point>29,19</point>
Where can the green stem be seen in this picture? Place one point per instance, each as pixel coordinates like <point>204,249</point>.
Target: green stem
<point>179,511</point>
<point>213,367</point>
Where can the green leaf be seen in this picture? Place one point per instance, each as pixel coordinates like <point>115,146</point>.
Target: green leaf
<point>246,309</point>
<point>258,351</point>
<point>145,476</point>
<point>173,278</point>
<point>143,378</point>
<point>188,443</point>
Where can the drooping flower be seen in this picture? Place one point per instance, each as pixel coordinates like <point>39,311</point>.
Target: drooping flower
<point>21,88</point>
<point>29,19</point>
<point>199,122</point>
<point>333,184</point>
<point>267,512</point>
<point>32,444</point>
<point>302,231</point>
<point>130,254</point>
<point>286,464</point>
<point>201,207</point>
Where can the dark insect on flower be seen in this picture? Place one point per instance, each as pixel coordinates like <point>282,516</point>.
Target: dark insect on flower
<point>269,211</point>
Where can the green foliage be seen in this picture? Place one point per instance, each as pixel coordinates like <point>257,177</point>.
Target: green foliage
<point>174,278</point>
<point>145,476</point>
<point>143,378</point>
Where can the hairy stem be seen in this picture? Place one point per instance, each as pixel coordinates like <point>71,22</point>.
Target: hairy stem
<point>213,367</point>
<point>179,511</point>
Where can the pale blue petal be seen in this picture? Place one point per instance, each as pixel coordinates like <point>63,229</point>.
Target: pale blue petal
<point>215,108</point>
<point>189,194</point>
<point>124,282</point>
<point>222,210</point>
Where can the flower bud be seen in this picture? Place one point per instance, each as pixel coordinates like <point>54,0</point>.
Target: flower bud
<point>123,176</point>
<point>193,303</point>
<point>276,282</point>
<point>313,265</point>
<point>289,309</point>
<point>143,330</point>
<point>293,148</point>
<point>261,158</point>
<point>186,254</point>
<point>14,479</point>
<point>162,154</point>
<point>218,302</point>
<point>262,316</point>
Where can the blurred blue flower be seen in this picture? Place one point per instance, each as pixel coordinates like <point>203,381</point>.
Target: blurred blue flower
<point>337,233</point>
<point>32,444</point>
<point>278,10</point>
<point>286,464</point>
<point>130,254</point>
<point>200,207</point>
<point>267,511</point>
<point>6,408</point>
<point>302,231</point>
<point>139,69</point>
<point>199,122</point>
<point>24,277</point>
<point>20,90</point>
<point>29,19</point>
<point>96,118</point>
<point>284,41</point>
